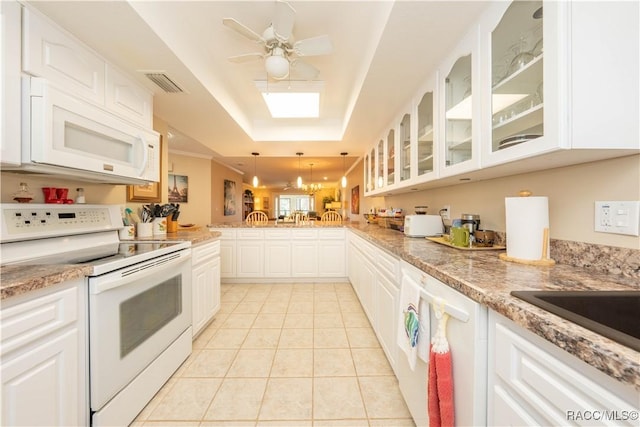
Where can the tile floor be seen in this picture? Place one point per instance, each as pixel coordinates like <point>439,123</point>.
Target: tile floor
<point>283,355</point>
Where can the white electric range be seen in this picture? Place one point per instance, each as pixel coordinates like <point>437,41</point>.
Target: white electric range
<point>139,295</point>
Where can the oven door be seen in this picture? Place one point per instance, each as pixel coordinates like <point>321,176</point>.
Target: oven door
<point>134,314</point>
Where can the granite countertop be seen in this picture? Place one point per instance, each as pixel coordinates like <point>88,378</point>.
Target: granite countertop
<point>480,275</point>
<point>280,224</point>
<point>483,277</point>
<point>22,278</point>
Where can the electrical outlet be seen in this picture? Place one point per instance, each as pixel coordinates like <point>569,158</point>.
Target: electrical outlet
<point>618,217</point>
<point>445,212</point>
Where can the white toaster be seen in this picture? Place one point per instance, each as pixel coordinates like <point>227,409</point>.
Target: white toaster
<point>423,225</point>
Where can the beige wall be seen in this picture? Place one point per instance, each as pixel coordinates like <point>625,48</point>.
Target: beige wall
<point>571,190</point>
<point>198,208</point>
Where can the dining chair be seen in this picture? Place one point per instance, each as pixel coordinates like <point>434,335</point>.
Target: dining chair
<point>331,216</point>
<point>257,217</point>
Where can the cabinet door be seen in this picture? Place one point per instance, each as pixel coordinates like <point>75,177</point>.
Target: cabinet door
<point>304,258</point>
<point>386,308</point>
<point>405,148</point>
<point>277,258</point>
<point>331,258</point>
<point>250,258</point>
<point>461,107</point>
<point>39,384</point>
<point>227,258</point>
<point>425,140</point>
<point>10,83</point>
<point>43,358</point>
<point>203,298</point>
<point>52,53</point>
<point>380,162</point>
<point>127,98</point>
<point>391,157</point>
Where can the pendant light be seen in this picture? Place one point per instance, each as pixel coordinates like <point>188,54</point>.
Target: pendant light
<point>299,180</point>
<point>344,173</point>
<point>255,175</point>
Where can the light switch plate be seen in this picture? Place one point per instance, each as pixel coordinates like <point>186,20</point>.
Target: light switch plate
<point>618,217</point>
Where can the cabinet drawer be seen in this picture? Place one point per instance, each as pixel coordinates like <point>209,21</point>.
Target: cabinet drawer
<point>204,251</point>
<point>34,319</point>
<point>271,234</point>
<point>305,234</point>
<point>225,233</point>
<point>548,385</point>
<point>250,234</point>
<point>51,53</point>
<point>331,233</point>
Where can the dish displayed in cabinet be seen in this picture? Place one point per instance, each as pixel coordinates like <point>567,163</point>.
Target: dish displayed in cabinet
<point>517,139</point>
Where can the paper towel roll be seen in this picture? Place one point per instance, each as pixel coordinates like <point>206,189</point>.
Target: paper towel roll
<point>527,218</point>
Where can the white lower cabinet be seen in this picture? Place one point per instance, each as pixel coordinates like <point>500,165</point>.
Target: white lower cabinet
<point>205,278</point>
<point>332,259</point>
<point>277,253</point>
<point>272,253</point>
<point>250,253</point>
<point>532,382</point>
<point>374,275</point>
<point>43,358</point>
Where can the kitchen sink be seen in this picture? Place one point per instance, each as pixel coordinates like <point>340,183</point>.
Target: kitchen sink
<point>613,314</point>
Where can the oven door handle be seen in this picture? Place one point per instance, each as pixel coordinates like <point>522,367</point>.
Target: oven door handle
<point>137,272</point>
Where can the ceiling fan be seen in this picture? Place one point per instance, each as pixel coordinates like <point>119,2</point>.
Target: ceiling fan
<point>281,52</point>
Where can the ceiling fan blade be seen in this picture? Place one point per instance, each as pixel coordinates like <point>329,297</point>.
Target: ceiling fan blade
<point>246,57</point>
<point>243,30</point>
<point>283,20</point>
<point>320,45</point>
<point>304,70</point>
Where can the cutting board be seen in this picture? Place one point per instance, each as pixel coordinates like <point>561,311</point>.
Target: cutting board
<point>442,241</point>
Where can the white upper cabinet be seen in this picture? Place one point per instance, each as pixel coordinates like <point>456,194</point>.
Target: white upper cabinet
<point>425,145</point>
<point>460,106</point>
<point>554,84</point>
<point>406,142</point>
<point>51,53</point>
<point>391,158</point>
<point>530,85</point>
<point>128,98</point>
<point>9,83</point>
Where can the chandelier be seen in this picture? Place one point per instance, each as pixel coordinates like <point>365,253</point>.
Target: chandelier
<point>312,188</point>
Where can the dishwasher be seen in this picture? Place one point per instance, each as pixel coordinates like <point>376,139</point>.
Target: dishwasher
<point>468,343</point>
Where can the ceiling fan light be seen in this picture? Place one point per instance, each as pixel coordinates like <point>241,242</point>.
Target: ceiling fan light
<point>277,66</point>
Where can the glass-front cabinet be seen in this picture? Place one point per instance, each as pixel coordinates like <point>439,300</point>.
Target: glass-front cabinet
<point>425,134</point>
<point>517,77</point>
<point>380,175</point>
<point>405,148</point>
<point>458,91</point>
<point>531,84</point>
<point>391,157</point>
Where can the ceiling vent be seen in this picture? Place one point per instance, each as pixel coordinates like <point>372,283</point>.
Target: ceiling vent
<point>164,82</point>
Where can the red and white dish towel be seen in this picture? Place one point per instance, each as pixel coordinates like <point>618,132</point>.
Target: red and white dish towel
<point>440,381</point>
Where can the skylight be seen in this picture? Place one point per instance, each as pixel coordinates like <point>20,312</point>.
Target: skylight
<point>293,104</point>
<point>292,99</point>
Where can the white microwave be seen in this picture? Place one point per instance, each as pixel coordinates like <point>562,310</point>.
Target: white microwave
<point>64,135</point>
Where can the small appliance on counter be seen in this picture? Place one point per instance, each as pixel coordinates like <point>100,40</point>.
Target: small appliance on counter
<point>423,225</point>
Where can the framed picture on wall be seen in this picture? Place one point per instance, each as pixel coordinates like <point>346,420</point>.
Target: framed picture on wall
<point>229,197</point>
<point>355,200</point>
<point>178,188</point>
<point>147,193</point>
